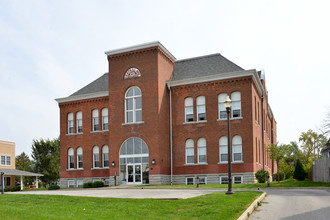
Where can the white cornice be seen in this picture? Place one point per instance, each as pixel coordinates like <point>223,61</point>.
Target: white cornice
<point>82,97</point>
<point>7,142</point>
<point>222,76</point>
<point>138,47</point>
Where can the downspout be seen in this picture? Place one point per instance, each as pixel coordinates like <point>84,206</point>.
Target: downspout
<point>262,131</point>
<point>171,138</point>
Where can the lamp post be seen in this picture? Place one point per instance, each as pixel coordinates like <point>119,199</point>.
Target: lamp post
<point>228,106</point>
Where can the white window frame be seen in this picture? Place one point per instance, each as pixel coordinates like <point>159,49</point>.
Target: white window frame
<point>6,159</point>
<point>70,123</point>
<point>241,181</point>
<point>80,153</point>
<point>105,152</point>
<point>96,157</point>
<point>236,104</point>
<point>80,183</point>
<point>201,145</point>
<point>134,109</point>
<point>106,181</point>
<point>202,177</point>
<point>105,119</point>
<point>188,109</point>
<point>190,177</point>
<point>221,106</point>
<point>221,181</point>
<point>70,157</point>
<point>190,150</point>
<point>79,122</point>
<point>95,120</point>
<point>223,146</point>
<point>237,148</point>
<point>201,107</point>
<point>73,183</point>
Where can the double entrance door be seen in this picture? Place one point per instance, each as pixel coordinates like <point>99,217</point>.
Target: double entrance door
<point>134,173</point>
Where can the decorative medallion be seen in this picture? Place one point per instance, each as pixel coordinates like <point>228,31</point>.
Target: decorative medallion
<point>132,73</point>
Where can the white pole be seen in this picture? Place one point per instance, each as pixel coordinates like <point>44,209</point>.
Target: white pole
<point>37,182</point>
<point>21,182</point>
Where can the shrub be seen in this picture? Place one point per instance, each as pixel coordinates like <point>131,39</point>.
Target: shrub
<point>88,185</point>
<point>98,184</point>
<point>261,176</point>
<point>299,172</point>
<point>7,189</point>
<point>54,187</point>
<point>279,176</point>
<point>15,188</point>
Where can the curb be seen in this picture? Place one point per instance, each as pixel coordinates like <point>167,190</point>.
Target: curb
<point>251,208</point>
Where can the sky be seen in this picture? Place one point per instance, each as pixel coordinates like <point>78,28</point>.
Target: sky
<point>50,49</point>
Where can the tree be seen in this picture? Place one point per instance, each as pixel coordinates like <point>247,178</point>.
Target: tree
<point>23,162</point>
<point>46,156</point>
<point>276,152</point>
<point>312,142</point>
<point>326,125</point>
<point>299,172</point>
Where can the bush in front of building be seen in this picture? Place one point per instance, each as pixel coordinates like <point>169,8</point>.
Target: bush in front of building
<point>261,176</point>
<point>54,187</point>
<point>88,185</point>
<point>299,172</point>
<point>97,184</point>
<point>279,176</point>
<point>12,189</point>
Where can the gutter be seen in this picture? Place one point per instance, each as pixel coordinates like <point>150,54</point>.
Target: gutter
<point>171,134</point>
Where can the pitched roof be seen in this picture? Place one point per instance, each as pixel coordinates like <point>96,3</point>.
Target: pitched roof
<point>101,84</point>
<point>15,172</point>
<point>203,66</point>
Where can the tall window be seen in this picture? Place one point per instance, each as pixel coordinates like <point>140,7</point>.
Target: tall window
<point>3,160</point>
<point>236,105</point>
<point>105,119</point>
<point>189,109</point>
<point>237,148</point>
<point>79,122</point>
<point>70,158</point>
<point>96,157</point>
<point>201,108</point>
<point>70,123</point>
<point>6,160</point>
<point>223,149</point>
<point>133,105</point>
<point>95,119</point>
<point>190,151</point>
<point>105,156</point>
<point>201,146</point>
<point>222,109</point>
<point>79,158</point>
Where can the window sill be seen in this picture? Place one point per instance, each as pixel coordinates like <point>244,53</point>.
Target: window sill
<point>194,122</point>
<point>75,169</point>
<point>225,119</point>
<point>233,162</point>
<point>100,168</point>
<point>74,134</point>
<point>99,131</point>
<point>133,123</point>
<point>195,164</point>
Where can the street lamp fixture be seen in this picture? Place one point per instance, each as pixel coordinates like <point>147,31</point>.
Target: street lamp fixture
<point>228,106</point>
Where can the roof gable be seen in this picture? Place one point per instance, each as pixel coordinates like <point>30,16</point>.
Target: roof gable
<point>101,84</point>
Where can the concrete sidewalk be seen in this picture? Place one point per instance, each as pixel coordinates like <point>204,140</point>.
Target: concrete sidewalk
<point>138,193</point>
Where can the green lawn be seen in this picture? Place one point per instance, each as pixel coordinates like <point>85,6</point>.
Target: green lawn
<point>211,206</point>
<point>285,183</point>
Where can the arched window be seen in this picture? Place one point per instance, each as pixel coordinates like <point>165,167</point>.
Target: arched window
<point>201,112</point>
<point>133,105</point>
<point>223,149</point>
<point>70,158</point>
<point>189,109</point>
<point>237,148</point>
<point>190,158</point>
<point>95,119</point>
<point>79,122</point>
<point>201,146</point>
<point>222,109</point>
<point>105,119</point>
<point>134,161</point>
<point>79,158</point>
<point>105,156</point>
<point>236,105</point>
<point>70,123</point>
<point>96,157</point>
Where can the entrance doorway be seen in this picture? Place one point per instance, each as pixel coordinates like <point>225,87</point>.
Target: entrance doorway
<point>134,162</point>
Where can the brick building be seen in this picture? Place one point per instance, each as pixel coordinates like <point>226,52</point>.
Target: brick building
<point>153,119</point>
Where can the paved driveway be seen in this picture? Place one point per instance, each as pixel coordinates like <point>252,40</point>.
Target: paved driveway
<point>294,204</point>
<point>125,193</point>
